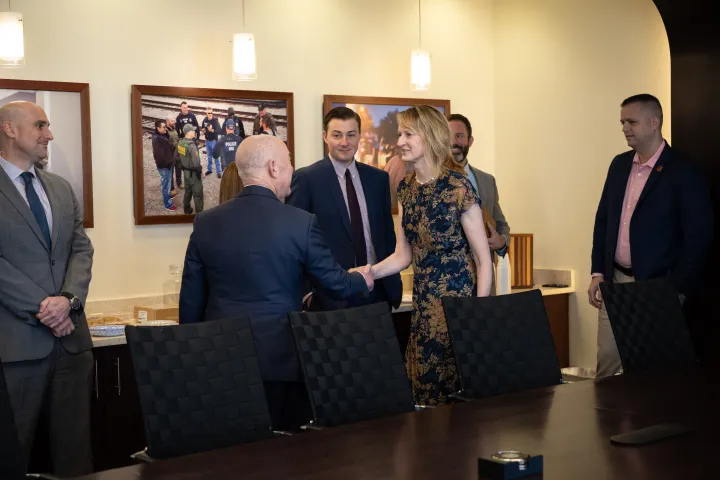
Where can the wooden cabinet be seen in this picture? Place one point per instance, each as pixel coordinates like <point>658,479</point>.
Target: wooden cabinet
<point>558,314</point>
<point>117,424</point>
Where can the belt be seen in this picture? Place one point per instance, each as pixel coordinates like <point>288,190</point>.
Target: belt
<point>192,169</point>
<point>624,270</point>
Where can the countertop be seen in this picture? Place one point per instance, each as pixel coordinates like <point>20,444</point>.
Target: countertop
<point>405,306</point>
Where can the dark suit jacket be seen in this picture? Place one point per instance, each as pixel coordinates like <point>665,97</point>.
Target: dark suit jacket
<point>315,189</point>
<point>250,256</point>
<point>30,271</point>
<point>671,229</point>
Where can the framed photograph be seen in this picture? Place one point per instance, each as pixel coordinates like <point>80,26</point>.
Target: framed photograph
<point>378,116</point>
<point>207,111</point>
<point>67,106</point>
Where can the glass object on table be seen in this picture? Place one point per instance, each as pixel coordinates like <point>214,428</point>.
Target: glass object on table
<point>171,287</point>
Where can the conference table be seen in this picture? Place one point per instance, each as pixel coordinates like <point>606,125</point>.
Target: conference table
<point>570,425</point>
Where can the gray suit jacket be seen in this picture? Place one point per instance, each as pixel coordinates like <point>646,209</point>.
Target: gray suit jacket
<point>490,200</point>
<point>31,272</point>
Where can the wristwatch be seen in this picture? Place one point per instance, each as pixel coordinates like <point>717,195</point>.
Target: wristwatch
<point>75,303</point>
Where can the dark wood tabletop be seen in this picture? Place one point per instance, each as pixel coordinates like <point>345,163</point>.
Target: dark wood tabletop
<point>570,425</point>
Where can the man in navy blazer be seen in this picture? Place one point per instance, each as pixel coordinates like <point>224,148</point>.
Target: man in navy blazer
<point>250,256</point>
<point>352,203</point>
<point>654,219</point>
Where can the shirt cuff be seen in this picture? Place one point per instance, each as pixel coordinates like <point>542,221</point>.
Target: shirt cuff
<point>597,275</point>
<point>502,251</point>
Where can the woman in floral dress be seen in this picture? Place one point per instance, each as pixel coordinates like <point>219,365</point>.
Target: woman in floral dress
<point>443,235</point>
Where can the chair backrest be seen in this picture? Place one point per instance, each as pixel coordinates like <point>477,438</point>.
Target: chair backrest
<point>200,386</point>
<point>352,364</point>
<point>649,327</point>
<point>502,344</point>
<point>11,458</point>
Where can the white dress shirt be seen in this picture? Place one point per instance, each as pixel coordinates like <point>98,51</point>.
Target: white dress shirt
<point>14,173</point>
<point>340,169</point>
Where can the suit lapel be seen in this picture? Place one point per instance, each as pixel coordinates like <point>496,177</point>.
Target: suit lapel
<point>622,179</point>
<point>654,175</point>
<point>7,187</point>
<point>49,188</point>
<point>338,199</point>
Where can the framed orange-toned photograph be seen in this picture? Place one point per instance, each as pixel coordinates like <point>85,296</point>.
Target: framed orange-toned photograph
<point>378,116</point>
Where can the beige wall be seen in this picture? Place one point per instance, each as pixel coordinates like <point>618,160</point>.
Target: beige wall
<point>562,68</point>
<point>540,80</point>
<point>309,47</point>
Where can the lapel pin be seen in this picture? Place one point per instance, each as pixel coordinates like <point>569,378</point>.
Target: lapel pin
<point>659,169</point>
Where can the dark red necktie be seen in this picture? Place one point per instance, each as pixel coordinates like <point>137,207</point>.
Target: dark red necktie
<point>356,224</point>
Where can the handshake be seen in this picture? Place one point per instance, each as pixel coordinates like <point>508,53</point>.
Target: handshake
<point>366,272</point>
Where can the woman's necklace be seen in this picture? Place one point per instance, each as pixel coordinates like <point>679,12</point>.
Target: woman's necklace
<point>424,183</point>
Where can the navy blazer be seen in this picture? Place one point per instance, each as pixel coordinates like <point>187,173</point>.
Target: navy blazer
<point>671,229</point>
<point>316,189</point>
<point>250,256</point>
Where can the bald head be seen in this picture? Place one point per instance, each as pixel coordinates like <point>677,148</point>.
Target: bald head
<point>265,160</point>
<point>24,133</point>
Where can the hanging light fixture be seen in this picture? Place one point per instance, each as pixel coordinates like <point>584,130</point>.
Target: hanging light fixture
<point>420,61</point>
<point>12,49</point>
<point>244,68</point>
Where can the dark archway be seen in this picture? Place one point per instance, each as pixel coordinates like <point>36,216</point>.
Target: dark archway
<point>691,27</point>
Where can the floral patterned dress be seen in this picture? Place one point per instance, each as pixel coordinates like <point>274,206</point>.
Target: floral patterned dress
<point>442,266</point>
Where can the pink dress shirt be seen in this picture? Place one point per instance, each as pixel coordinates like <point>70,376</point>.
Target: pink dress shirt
<point>639,174</point>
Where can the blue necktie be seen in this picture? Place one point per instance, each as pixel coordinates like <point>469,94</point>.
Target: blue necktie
<point>36,206</point>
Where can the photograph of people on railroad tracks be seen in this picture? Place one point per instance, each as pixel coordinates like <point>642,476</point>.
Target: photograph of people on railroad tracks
<point>220,120</point>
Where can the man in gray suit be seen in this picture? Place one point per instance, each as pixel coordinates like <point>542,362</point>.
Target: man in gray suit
<point>484,183</point>
<point>45,265</point>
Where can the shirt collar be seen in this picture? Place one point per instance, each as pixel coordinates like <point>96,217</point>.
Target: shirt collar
<point>653,160</point>
<point>340,168</point>
<point>13,171</point>
<point>467,168</point>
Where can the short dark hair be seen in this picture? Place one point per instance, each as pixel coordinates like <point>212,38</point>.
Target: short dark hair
<point>341,113</point>
<point>158,123</point>
<point>648,101</point>
<point>456,117</point>
<point>183,103</point>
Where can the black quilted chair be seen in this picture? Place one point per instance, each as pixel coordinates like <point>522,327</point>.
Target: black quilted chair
<point>200,387</point>
<point>352,364</point>
<point>502,344</point>
<point>648,324</point>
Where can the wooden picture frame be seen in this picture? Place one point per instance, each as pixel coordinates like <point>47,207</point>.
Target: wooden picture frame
<point>147,107</point>
<point>78,171</point>
<point>384,109</point>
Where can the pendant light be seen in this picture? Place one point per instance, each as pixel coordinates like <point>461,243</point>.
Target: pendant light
<point>12,48</point>
<point>420,61</point>
<point>244,66</point>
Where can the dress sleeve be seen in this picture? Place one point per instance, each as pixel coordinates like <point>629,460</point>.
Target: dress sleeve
<point>403,191</point>
<point>466,194</point>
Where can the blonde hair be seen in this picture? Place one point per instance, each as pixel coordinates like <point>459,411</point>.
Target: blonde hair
<point>231,183</point>
<point>434,129</point>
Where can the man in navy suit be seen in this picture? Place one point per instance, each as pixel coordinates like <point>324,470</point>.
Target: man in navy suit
<point>352,203</point>
<point>654,219</point>
<point>250,256</point>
